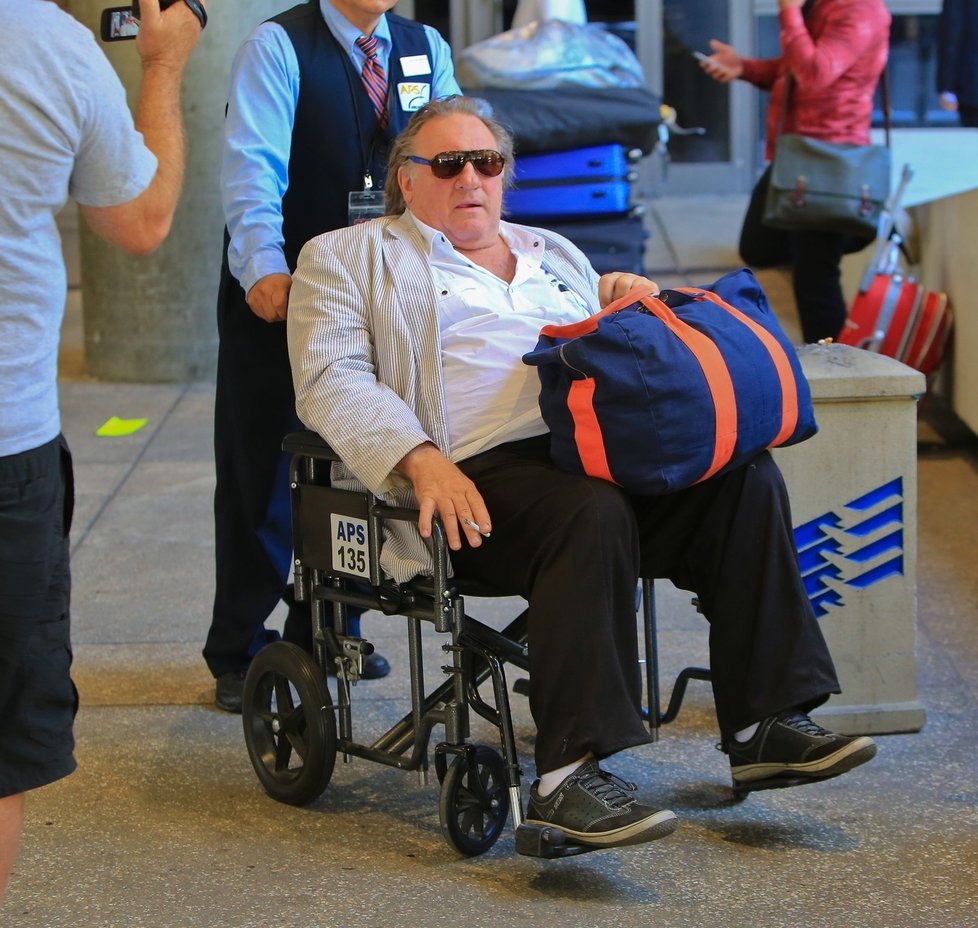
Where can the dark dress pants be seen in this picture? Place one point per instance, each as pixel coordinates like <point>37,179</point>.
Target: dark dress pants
<point>814,258</point>
<point>575,548</point>
<point>253,411</point>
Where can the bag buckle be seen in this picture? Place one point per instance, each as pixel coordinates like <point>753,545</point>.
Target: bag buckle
<point>799,197</point>
<point>865,204</point>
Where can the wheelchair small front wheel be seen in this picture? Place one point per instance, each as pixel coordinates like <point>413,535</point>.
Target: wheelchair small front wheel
<point>474,801</point>
<point>289,725</point>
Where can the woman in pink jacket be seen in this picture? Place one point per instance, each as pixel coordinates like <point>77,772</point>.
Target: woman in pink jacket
<point>835,51</point>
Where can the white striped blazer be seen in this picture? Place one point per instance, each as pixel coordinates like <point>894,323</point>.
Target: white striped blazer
<point>365,351</point>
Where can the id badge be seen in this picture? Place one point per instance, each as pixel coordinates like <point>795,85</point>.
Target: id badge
<point>364,205</point>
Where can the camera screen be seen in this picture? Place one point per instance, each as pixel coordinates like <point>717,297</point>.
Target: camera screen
<point>119,23</point>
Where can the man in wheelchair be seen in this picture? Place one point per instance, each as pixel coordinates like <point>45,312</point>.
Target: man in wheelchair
<point>406,336</point>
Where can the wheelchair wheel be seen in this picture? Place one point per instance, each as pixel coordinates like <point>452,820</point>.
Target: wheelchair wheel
<point>474,801</point>
<point>289,725</point>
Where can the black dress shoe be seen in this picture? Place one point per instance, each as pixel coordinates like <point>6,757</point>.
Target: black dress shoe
<point>229,690</point>
<point>375,666</point>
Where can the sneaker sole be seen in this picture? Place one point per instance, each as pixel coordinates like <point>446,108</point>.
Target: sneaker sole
<point>648,829</point>
<point>852,755</point>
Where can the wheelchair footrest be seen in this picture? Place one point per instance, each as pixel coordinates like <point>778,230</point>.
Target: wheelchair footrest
<point>547,842</point>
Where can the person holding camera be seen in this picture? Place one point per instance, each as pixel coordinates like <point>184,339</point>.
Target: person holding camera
<point>68,132</point>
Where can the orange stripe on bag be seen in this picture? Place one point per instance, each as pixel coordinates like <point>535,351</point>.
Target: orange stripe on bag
<point>571,330</point>
<point>717,379</point>
<point>587,429</point>
<point>789,389</point>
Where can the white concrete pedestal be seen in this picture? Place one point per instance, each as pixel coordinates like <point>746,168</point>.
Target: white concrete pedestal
<point>853,491</point>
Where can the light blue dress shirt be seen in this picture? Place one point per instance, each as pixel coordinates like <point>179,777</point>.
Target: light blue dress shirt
<point>263,94</point>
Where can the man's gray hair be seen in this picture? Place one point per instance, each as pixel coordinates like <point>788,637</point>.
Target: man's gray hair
<point>403,145</point>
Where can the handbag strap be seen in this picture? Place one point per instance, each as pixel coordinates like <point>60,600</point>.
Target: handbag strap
<point>884,86</point>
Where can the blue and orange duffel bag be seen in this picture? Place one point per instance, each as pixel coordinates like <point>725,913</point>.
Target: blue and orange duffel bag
<point>656,393</point>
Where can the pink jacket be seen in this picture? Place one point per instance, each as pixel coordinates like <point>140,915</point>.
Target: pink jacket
<point>836,56</point>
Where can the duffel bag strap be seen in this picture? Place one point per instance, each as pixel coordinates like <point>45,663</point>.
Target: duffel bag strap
<point>779,358</point>
<point>585,326</point>
<point>718,381</point>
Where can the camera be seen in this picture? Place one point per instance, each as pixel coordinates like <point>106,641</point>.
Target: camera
<point>122,22</point>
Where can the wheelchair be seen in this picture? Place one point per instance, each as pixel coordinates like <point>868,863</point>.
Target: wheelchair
<point>294,730</point>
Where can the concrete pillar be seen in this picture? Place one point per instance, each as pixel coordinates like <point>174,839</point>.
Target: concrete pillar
<point>152,319</point>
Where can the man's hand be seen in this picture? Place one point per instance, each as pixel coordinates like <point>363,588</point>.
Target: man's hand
<point>724,65</point>
<point>443,490</point>
<point>166,39</point>
<point>791,4</point>
<point>617,284</point>
<point>269,298</point>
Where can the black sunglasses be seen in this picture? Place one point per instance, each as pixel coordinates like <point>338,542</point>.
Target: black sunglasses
<point>486,161</point>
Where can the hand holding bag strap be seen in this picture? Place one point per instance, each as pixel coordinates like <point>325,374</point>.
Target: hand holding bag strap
<point>575,329</point>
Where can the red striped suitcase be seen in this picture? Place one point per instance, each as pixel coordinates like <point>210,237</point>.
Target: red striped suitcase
<point>893,313</point>
<point>930,335</point>
<point>898,317</point>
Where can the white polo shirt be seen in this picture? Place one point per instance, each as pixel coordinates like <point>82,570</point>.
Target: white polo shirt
<point>487,325</point>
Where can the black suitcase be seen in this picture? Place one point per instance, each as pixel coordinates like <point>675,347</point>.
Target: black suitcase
<point>615,243</point>
<point>573,117</point>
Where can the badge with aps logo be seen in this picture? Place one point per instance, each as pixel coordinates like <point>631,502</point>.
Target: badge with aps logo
<point>413,95</point>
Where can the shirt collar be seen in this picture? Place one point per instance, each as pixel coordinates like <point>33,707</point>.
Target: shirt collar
<point>525,244</point>
<point>347,34</point>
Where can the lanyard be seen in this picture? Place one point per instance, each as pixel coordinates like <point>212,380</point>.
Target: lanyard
<point>366,158</point>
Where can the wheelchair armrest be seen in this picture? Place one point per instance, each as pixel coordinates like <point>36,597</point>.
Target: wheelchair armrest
<point>309,445</point>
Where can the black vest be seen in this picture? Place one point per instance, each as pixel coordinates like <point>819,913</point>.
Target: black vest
<point>326,160</point>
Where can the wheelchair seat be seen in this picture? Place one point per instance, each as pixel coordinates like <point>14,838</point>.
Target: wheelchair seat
<point>294,731</point>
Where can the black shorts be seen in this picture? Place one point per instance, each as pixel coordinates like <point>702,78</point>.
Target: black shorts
<point>38,701</point>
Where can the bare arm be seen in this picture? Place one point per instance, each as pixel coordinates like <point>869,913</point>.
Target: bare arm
<point>164,43</point>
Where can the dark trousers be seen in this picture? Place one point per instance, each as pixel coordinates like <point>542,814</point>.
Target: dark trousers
<point>968,115</point>
<point>814,258</point>
<point>254,410</point>
<point>575,547</point>
<point>38,700</point>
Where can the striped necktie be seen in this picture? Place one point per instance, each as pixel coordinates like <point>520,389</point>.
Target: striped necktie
<point>373,77</point>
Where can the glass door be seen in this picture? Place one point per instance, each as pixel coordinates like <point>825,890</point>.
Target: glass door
<point>664,34</point>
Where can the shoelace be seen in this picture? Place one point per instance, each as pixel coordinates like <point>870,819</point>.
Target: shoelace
<point>609,788</point>
<point>801,722</point>
<point>797,720</point>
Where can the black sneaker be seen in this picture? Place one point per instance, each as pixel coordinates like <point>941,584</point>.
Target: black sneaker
<point>594,807</point>
<point>228,691</point>
<point>790,745</point>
